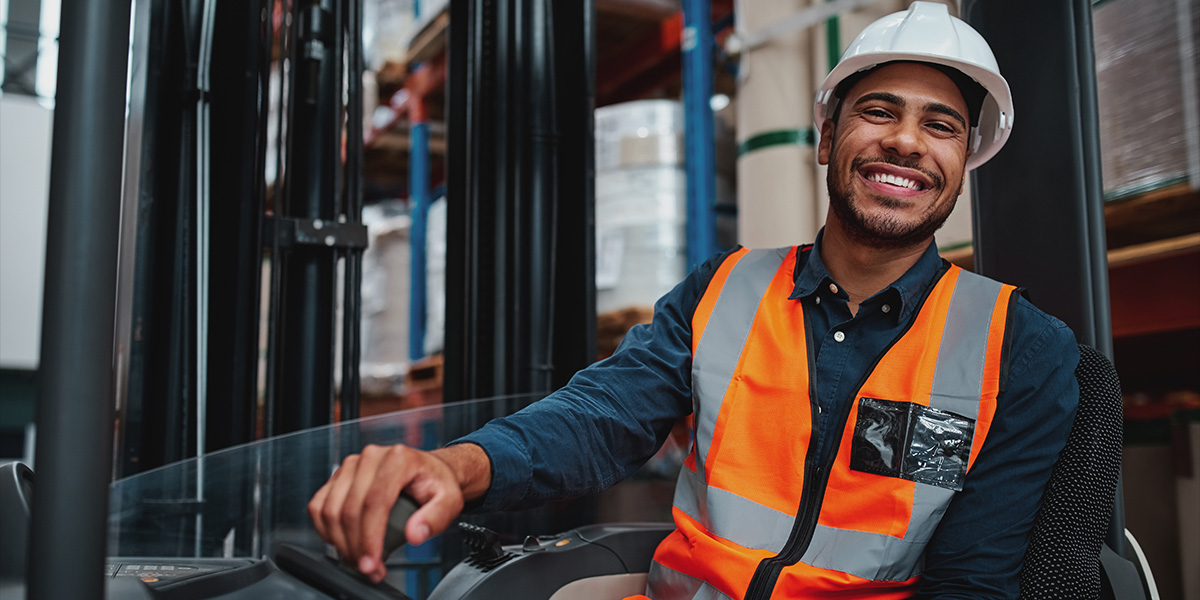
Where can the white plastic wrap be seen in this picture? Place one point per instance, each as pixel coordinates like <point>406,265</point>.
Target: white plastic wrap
<point>1146,61</point>
<point>641,239</point>
<point>435,277</point>
<point>387,27</point>
<point>640,118</point>
<point>386,283</point>
<point>641,201</point>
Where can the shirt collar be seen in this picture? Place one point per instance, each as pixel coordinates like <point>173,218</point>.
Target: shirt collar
<point>812,275</point>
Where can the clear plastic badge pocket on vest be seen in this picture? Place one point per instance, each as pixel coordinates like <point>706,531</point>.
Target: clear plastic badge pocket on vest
<point>911,441</point>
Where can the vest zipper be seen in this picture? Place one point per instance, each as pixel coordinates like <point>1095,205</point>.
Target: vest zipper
<point>816,475</point>
<point>765,576</point>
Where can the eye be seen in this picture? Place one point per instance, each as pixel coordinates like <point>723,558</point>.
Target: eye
<point>877,113</point>
<point>942,127</point>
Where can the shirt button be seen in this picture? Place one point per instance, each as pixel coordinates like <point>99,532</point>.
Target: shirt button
<point>817,300</point>
<point>839,336</point>
<point>833,287</point>
<point>887,308</point>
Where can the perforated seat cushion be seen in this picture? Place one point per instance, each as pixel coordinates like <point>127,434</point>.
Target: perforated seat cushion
<point>1063,558</point>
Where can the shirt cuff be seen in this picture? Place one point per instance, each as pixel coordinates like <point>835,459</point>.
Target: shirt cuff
<point>511,468</point>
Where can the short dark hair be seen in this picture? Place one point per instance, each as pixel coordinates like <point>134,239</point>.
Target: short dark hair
<point>972,92</point>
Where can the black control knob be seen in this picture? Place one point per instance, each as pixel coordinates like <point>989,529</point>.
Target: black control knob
<point>393,537</point>
<point>486,553</point>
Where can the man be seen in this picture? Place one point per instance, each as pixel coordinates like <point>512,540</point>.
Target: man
<point>869,420</point>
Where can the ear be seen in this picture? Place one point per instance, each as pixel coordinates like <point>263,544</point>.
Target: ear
<point>965,172</point>
<point>825,146</point>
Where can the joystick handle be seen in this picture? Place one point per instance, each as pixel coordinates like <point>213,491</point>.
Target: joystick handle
<point>394,537</point>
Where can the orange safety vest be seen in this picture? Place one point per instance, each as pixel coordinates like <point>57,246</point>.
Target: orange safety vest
<point>756,511</point>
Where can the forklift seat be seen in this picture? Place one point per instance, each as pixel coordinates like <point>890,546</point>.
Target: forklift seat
<point>1067,556</point>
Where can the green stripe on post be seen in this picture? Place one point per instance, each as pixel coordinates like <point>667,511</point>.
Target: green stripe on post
<point>833,41</point>
<point>955,246</point>
<point>778,137</point>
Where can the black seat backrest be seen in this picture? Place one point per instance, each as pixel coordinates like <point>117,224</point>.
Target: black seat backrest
<point>1063,558</point>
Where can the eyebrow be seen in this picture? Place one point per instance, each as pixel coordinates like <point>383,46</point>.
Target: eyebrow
<point>936,107</point>
<point>940,108</point>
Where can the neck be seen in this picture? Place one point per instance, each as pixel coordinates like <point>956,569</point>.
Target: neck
<point>862,270</point>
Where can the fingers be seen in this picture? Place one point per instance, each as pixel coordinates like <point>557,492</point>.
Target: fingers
<point>387,472</point>
<point>326,506</point>
<point>372,568</point>
<point>314,509</point>
<point>351,510</point>
<point>363,485</point>
<point>395,470</point>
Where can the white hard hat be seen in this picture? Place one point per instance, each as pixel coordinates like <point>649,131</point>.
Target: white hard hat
<point>927,33</point>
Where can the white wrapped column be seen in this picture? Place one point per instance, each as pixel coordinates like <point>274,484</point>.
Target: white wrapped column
<point>776,177</point>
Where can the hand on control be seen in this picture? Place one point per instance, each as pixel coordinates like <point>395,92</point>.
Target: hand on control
<point>351,510</point>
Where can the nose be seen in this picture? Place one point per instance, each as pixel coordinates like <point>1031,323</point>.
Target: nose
<point>904,139</point>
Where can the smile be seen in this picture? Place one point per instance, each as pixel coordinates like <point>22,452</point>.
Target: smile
<point>895,180</point>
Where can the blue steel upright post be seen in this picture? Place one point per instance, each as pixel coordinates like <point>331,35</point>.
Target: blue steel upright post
<point>418,193</point>
<point>700,156</point>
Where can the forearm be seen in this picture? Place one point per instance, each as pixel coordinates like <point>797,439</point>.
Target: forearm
<point>576,442</point>
<point>607,421</point>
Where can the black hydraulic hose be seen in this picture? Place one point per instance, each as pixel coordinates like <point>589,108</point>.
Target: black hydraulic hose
<point>352,294</point>
<point>280,189</point>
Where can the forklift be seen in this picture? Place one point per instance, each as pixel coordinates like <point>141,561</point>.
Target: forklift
<point>178,191</point>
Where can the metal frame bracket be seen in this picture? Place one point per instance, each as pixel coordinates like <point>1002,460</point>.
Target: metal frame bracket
<point>315,232</point>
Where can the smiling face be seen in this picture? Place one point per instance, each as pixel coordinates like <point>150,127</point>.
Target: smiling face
<point>896,157</point>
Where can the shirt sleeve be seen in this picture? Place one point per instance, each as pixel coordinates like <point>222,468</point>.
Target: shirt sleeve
<point>607,421</point>
<point>979,545</point>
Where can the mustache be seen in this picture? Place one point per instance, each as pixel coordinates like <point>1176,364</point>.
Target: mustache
<point>898,161</point>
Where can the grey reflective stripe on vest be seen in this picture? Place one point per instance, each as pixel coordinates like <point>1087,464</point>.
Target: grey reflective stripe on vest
<point>957,383</point>
<point>730,516</point>
<point>876,556</point>
<point>665,583</point>
<point>717,353</point>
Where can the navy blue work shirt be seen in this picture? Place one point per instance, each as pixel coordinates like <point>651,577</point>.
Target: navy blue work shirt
<point>615,414</point>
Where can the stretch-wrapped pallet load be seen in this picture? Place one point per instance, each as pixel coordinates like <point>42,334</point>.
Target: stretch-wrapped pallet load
<point>387,27</point>
<point>435,277</point>
<point>641,202</point>
<point>1147,67</point>
<point>386,281</point>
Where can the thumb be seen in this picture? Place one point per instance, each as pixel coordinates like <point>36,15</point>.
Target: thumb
<point>433,517</point>
<point>418,531</point>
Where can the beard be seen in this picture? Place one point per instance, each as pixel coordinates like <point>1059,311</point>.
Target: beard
<point>885,231</point>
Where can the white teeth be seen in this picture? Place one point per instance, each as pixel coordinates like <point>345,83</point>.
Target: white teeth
<point>894,180</point>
